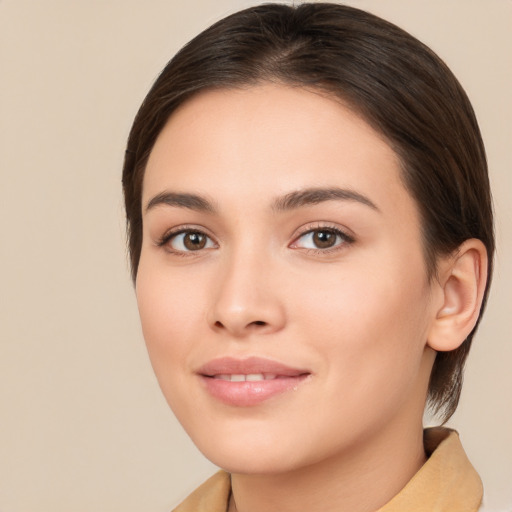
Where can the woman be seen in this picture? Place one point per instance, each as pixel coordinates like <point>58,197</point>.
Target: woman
<point>311,239</point>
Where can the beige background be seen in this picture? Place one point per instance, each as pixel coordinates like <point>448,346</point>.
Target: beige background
<point>82,423</point>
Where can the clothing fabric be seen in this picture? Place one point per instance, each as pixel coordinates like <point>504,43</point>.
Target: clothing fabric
<point>447,482</point>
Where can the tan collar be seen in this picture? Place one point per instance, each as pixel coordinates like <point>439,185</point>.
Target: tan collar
<point>447,482</point>
<point>211,496</point>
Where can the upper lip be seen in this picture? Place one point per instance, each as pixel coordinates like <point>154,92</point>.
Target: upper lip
<point>248,366</point>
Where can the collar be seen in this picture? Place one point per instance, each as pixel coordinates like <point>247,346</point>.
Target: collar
<point>447,482</point>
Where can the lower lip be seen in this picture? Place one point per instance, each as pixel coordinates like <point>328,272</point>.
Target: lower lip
<point>248,393</point>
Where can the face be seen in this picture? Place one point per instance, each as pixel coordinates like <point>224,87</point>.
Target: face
<point>282,286</point>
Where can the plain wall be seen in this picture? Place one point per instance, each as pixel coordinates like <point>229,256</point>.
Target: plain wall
<point>83,425</point>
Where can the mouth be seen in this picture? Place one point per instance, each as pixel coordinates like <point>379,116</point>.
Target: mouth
<point>248,382</point>
<point>251,377</point>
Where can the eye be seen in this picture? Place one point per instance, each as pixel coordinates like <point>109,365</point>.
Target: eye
<point>321,239</point>
<point>187,241</point>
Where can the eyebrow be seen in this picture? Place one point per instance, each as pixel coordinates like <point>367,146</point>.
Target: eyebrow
<point>291,201</point>
<point>182,200</point>
<point>311,196</point>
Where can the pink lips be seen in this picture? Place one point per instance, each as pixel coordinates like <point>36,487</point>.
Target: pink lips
<point>246,382</point>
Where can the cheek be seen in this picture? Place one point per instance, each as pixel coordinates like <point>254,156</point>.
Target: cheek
<point>372,327</point>
<point>371,340</point>
<point>170,312</point>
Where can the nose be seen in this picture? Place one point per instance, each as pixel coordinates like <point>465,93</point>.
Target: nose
<point>247,297</point>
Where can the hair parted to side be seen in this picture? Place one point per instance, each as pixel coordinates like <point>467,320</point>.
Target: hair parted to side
<point>390,78</point>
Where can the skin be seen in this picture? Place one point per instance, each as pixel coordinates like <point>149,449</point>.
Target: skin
<point>357,315</point>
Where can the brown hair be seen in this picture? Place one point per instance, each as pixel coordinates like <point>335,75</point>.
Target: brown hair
<point>394,81</point>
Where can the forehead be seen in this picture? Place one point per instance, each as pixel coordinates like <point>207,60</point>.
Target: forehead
<point>274,139</point>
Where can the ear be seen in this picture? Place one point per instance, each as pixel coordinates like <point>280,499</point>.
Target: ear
<point>462,277</point>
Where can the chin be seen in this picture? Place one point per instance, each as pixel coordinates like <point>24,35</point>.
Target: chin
<point>251,463</point>
<point>248,453</point>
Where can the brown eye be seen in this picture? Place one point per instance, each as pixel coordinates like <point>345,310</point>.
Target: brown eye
<point>194,241</point>
<point>188,241</point>
<point>324,239</point>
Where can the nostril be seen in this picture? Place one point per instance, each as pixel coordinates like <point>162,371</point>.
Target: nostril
<point>257,323</point>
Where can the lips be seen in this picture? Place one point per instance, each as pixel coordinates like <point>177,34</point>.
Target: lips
<point>251,377</point>
<point>251,381</point>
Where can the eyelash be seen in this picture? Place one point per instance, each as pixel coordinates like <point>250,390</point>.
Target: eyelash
<point>173,233</point>
<point>345,239</point>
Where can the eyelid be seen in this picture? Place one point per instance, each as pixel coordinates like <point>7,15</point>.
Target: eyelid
<point>184,228</point>
<point>347,238</point>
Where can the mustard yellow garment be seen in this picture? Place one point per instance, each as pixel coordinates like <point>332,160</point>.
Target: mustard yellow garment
<point>447,482</point>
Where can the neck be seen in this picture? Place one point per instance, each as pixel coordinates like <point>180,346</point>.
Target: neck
<point>361,479</point>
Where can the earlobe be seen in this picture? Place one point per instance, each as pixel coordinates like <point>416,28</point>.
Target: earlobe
<point>462,280</point>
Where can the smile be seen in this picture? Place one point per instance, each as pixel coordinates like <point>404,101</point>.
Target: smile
<point>252,377</point>
<point>249,382</point>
